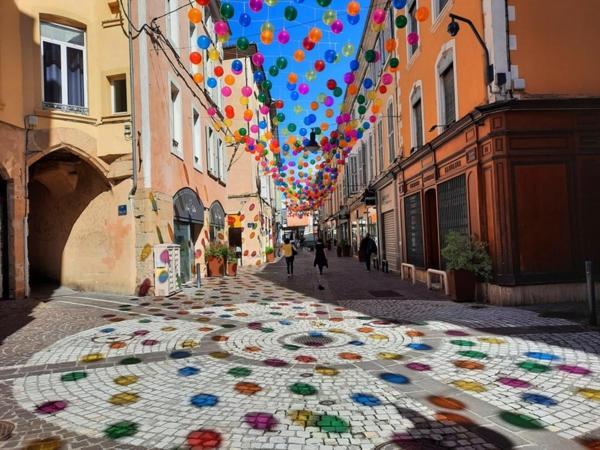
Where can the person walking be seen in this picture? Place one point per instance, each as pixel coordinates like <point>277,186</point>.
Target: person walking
<point>320,258</point>
<point>289,252</point>
<point>366,249</point>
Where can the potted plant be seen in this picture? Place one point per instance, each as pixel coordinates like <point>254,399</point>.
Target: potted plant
<point>215,259</point>
<point>231,258</point>
<point>467,261</point>
<point>338,250</point>
<point>270,252</point>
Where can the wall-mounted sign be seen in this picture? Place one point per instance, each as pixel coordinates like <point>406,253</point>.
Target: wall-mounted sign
<point>122,210</point>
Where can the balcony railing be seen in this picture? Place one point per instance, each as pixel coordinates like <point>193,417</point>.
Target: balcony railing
<point>66,108</point>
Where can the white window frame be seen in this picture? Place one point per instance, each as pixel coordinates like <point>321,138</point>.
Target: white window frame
<point>172,22</point>
<point>210,150</point>
<point>111,80</point>
<point>194,68</point>
<point>445,58</point>
<point>437,12</point>
<point>409,53</point>
<point>416,93</point>
<point>197,139</point>
<point>64,104</point>
<point>391,131</point>
<point>175,120</point>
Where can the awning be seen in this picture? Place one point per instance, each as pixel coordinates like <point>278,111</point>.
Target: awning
<point>187,207</point>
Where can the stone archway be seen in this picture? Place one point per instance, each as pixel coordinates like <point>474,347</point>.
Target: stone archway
<point>65,218</point>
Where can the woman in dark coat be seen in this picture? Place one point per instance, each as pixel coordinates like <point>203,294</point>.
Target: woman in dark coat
<point>320,258</point>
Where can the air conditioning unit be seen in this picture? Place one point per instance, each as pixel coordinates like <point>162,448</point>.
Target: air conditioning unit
<point>167,263</point>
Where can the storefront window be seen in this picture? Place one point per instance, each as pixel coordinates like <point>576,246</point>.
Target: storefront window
<point>217,221</point>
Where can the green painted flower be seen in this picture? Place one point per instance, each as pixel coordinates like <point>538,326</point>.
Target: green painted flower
<point>73,376</point>
<point>303,389</point>
<point>332,424</point>
<point>239,372</point>
<point>121,429</point>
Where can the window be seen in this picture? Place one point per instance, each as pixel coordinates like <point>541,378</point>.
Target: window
<point>118,94</point>
<point>380,145</point>
<point>197,139</point>
<point>371,154</point>
<point>176,123</point>
<point>63,65</point>
<point>193,34</point>
<point>210,150</point>
<point>217,221</point>
<point>448,95</point>
<point>362,162</point>
<point>413,27</point>
<point>353,174</point>
<point>438,6</point>
<point>221,159</point>
<point>416,118</point>
<point>391,132</point>
<point>172,20</point>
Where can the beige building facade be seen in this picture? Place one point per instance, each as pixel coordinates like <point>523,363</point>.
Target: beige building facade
<point>65,155</point>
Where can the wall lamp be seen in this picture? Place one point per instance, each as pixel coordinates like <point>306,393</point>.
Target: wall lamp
<point>454,28</point>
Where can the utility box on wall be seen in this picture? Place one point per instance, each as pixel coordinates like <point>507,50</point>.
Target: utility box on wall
<point>167,262</point>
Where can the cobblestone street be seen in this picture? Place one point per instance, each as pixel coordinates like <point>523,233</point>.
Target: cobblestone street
<point>263,361</point>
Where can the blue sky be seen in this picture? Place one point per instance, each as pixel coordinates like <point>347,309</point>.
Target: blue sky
<point>310,14</point>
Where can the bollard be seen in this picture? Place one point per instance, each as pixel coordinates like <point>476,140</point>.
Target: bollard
<point>591,293</point>
<point>198,276</point>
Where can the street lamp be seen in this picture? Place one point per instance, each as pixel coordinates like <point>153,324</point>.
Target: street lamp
<point>454,28</point>
<point>313,145</point>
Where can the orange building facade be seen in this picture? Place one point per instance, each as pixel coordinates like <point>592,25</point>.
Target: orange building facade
<point>510,157</point>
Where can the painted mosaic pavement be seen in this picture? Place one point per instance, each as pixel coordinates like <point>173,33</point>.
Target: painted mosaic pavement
<point>246,364</point>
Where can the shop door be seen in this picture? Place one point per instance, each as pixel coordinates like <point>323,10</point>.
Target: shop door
<point>432,247</point>
<point>183,237</point>
<point>390,240</point>
<point>3,239</point>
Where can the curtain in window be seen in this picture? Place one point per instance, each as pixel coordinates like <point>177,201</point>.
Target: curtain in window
<point>75,77</point>
<point>52,73</point>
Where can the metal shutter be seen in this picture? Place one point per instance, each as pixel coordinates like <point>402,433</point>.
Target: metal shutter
<point>390,240</point>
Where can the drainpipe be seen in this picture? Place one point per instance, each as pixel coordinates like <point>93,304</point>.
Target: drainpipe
<point>132,103</point>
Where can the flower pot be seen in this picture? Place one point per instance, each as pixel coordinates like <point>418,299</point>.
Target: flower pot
<point>231,269</point>
<point>462,285</point>
<point>270,257</point>
<point>338,251</point>
<point>215,266</point>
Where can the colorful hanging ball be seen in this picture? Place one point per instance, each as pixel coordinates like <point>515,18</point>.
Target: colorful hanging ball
<point>258,59</point>
<point>218,71</point>
<point>273,71</point>
<point>236,66</point>
<point>353,20</point>
<point>368,83</point>
<point>422,13</point>
<point>211,82</point>
<point>281,62</point>
<point>329,16</point>
<point>246,91</point>
<point>348,78</point>
<point>354,65</point>
<point>290,13</point>
<point>203,42</point>
<point>283,37</point>
<point>315,34</point>
<point>337,26</point>
<point>348,49</point>
<point>242,43</point>
<point>310,75</point>
<point>387,78</point>
<point>227,11</point>
<point>266,37</point>
<point>271,3</point>
<point>319,65</point>
<point>245,20</point>
<point>195,15</point>
<point>412,38</point>
<point>308,44</point>
<point>221,28</point>
<point>331,84</point>
<point>195,58</point>
<point>226,91</point>
<point>401,21</point>
<point>370,56</point>
<point>394,62</point>
<point>303,88</point>
<point>378,16</point>
<point>399,4</point>
<point>255,5</point>
<point>330,56</point>
<point>324,3</point>
<point>353,8</point>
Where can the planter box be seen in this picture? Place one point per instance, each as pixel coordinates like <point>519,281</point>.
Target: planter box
<point>231,269</point>
<point>338,251</point>
<point>215,266</point>
<point>347,251</point>
<point>462,285</point>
